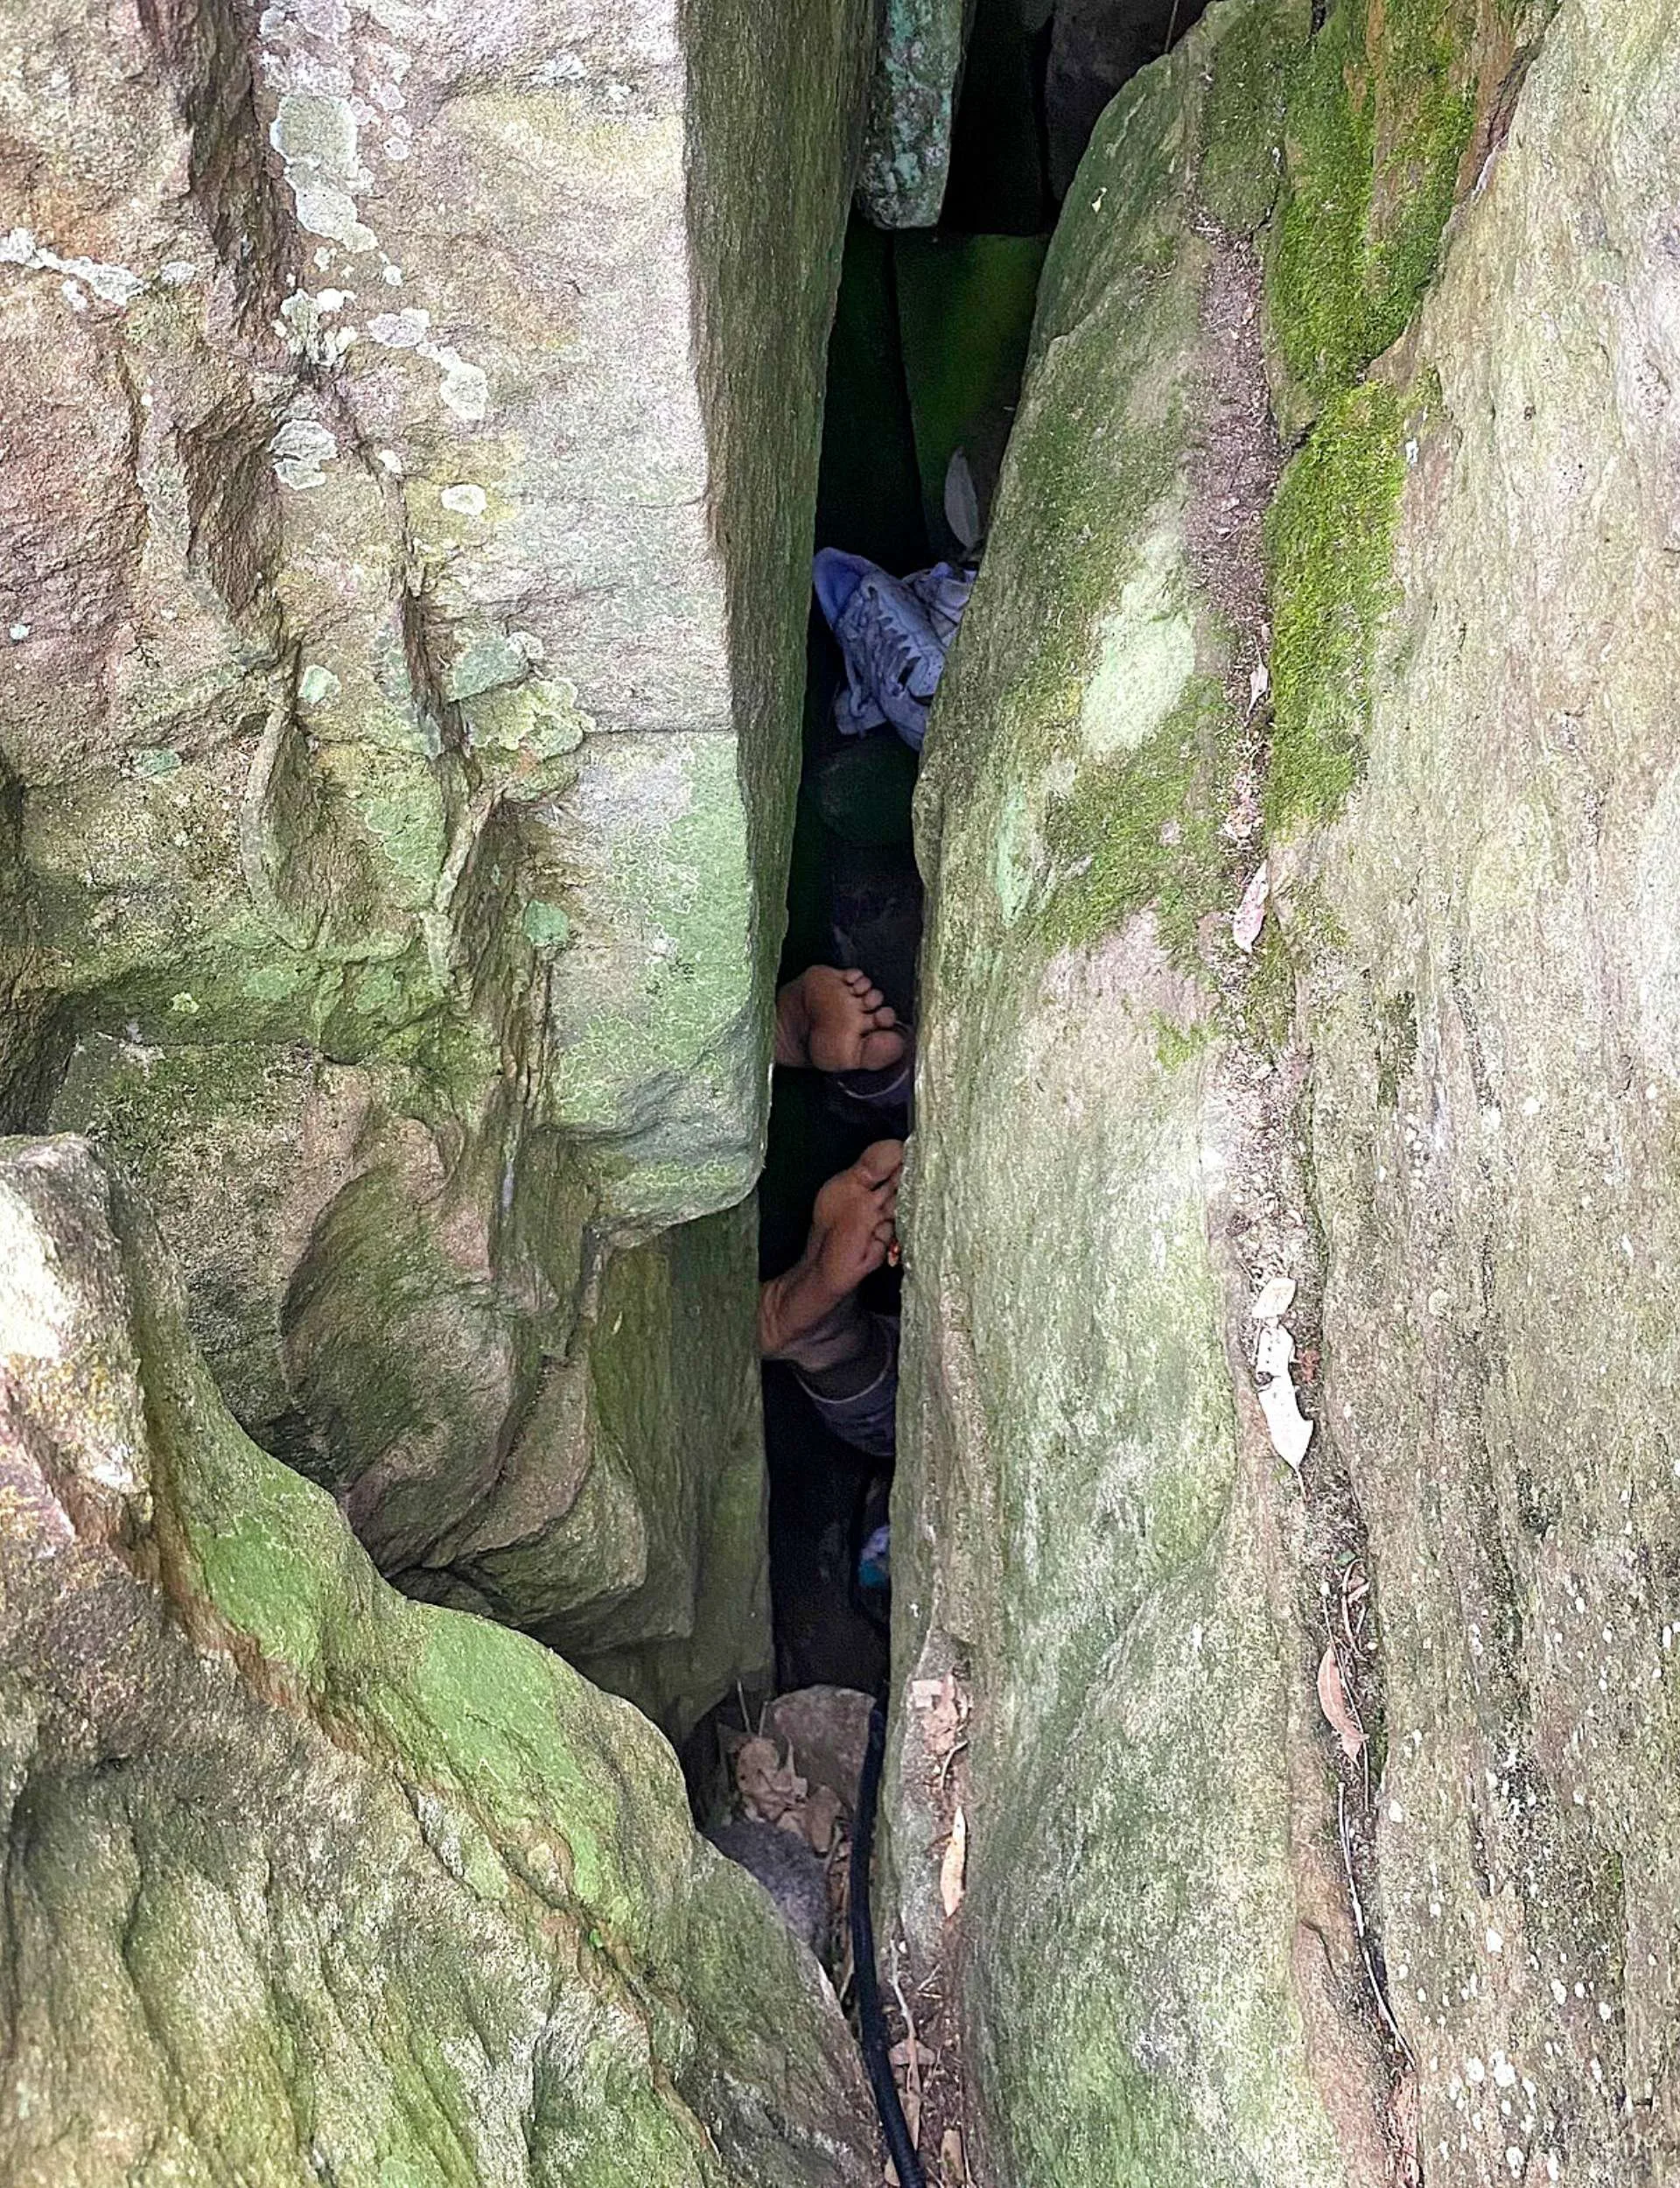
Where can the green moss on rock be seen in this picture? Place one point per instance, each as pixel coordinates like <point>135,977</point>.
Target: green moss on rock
<point>1143,829</point>
<point>1329,546</point>
<point>312,1880</point>
<point>1255,69</point>
<point>1380,112</point>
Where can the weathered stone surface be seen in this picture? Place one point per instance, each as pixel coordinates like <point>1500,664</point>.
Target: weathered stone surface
<point>1436,1096</point>
<point>1492,1008</point>
<point>1083,1517</point>
<point>305,1880</point>
<point>911,107</point>
<point>411,433</point>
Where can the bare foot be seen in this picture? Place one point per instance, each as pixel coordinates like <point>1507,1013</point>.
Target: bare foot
<point>829,1021</point>
<point>851,1229</point>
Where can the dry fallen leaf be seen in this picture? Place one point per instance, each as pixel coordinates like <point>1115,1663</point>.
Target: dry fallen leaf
<point>1274,1352</point>
<point>1250,915</point>
<point>951,1868</point>
<point>899,2055</point>
<point>768,1785</point>
<point>1275,1297</point>
<point>951,2163</point>
<point>935,1704</point>
<point>1290,1431</point>
<point>1338,1711</point>
<point>1259,684</point>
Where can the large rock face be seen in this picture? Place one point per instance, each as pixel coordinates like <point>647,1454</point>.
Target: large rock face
<point>309,1882</point>
<point>410,445</point>
<point>1202,1945</point>
<point>1495,1023</point>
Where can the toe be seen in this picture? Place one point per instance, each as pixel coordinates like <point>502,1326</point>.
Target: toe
<point>881,1049</point>
<point>881,1161</point>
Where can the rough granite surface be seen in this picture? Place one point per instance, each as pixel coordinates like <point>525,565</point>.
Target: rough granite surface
<point>411,433</point>
<point>1083,1519</point>
<point>1495,1036</point>
<point>1439,1096</point>
<point>307,1881</point>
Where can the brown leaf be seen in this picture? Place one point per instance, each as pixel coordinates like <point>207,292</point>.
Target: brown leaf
<point>951,1878</point>
<point>951,2163</point>
<point>768,1786</point>
<point>899,2055</point>
<point>1250,915</point>
<point>1338,1710</point>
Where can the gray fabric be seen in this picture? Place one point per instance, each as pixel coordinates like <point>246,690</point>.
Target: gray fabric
<point>858,1398</point>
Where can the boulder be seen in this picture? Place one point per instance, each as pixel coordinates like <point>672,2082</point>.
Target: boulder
<point>412,441</point>
<point>306,1879</point>
<point>1295,811</point>
<point>1085,1524</point>
<point>1483,937</point>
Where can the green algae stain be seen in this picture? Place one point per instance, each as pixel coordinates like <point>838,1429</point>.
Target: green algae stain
<point>461,1702</point>
<point>1142,827</point>
<point>155,763</point>
<point>546,925</point>
<point>1329,537</point>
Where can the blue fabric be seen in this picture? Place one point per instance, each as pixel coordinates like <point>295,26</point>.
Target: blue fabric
<point>874,1561</point>
<point>894,633</point>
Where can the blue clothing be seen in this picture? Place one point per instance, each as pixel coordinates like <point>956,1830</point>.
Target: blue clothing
<point>894,633</point>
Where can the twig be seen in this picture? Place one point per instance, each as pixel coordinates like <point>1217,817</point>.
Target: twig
<point>911,2047</point>
<point>1385,2012</point>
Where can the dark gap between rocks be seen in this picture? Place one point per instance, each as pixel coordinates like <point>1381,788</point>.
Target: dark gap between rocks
<point>929,343</point>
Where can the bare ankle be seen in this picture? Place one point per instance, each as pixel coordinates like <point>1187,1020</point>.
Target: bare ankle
<point>792,1025</point>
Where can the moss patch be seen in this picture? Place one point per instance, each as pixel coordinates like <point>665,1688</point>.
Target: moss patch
<point>1329,546</point>
<point>1380,112</point>
<point>1254,66</point>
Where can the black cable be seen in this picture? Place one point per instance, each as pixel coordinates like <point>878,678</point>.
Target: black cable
<point>878,2065</point>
